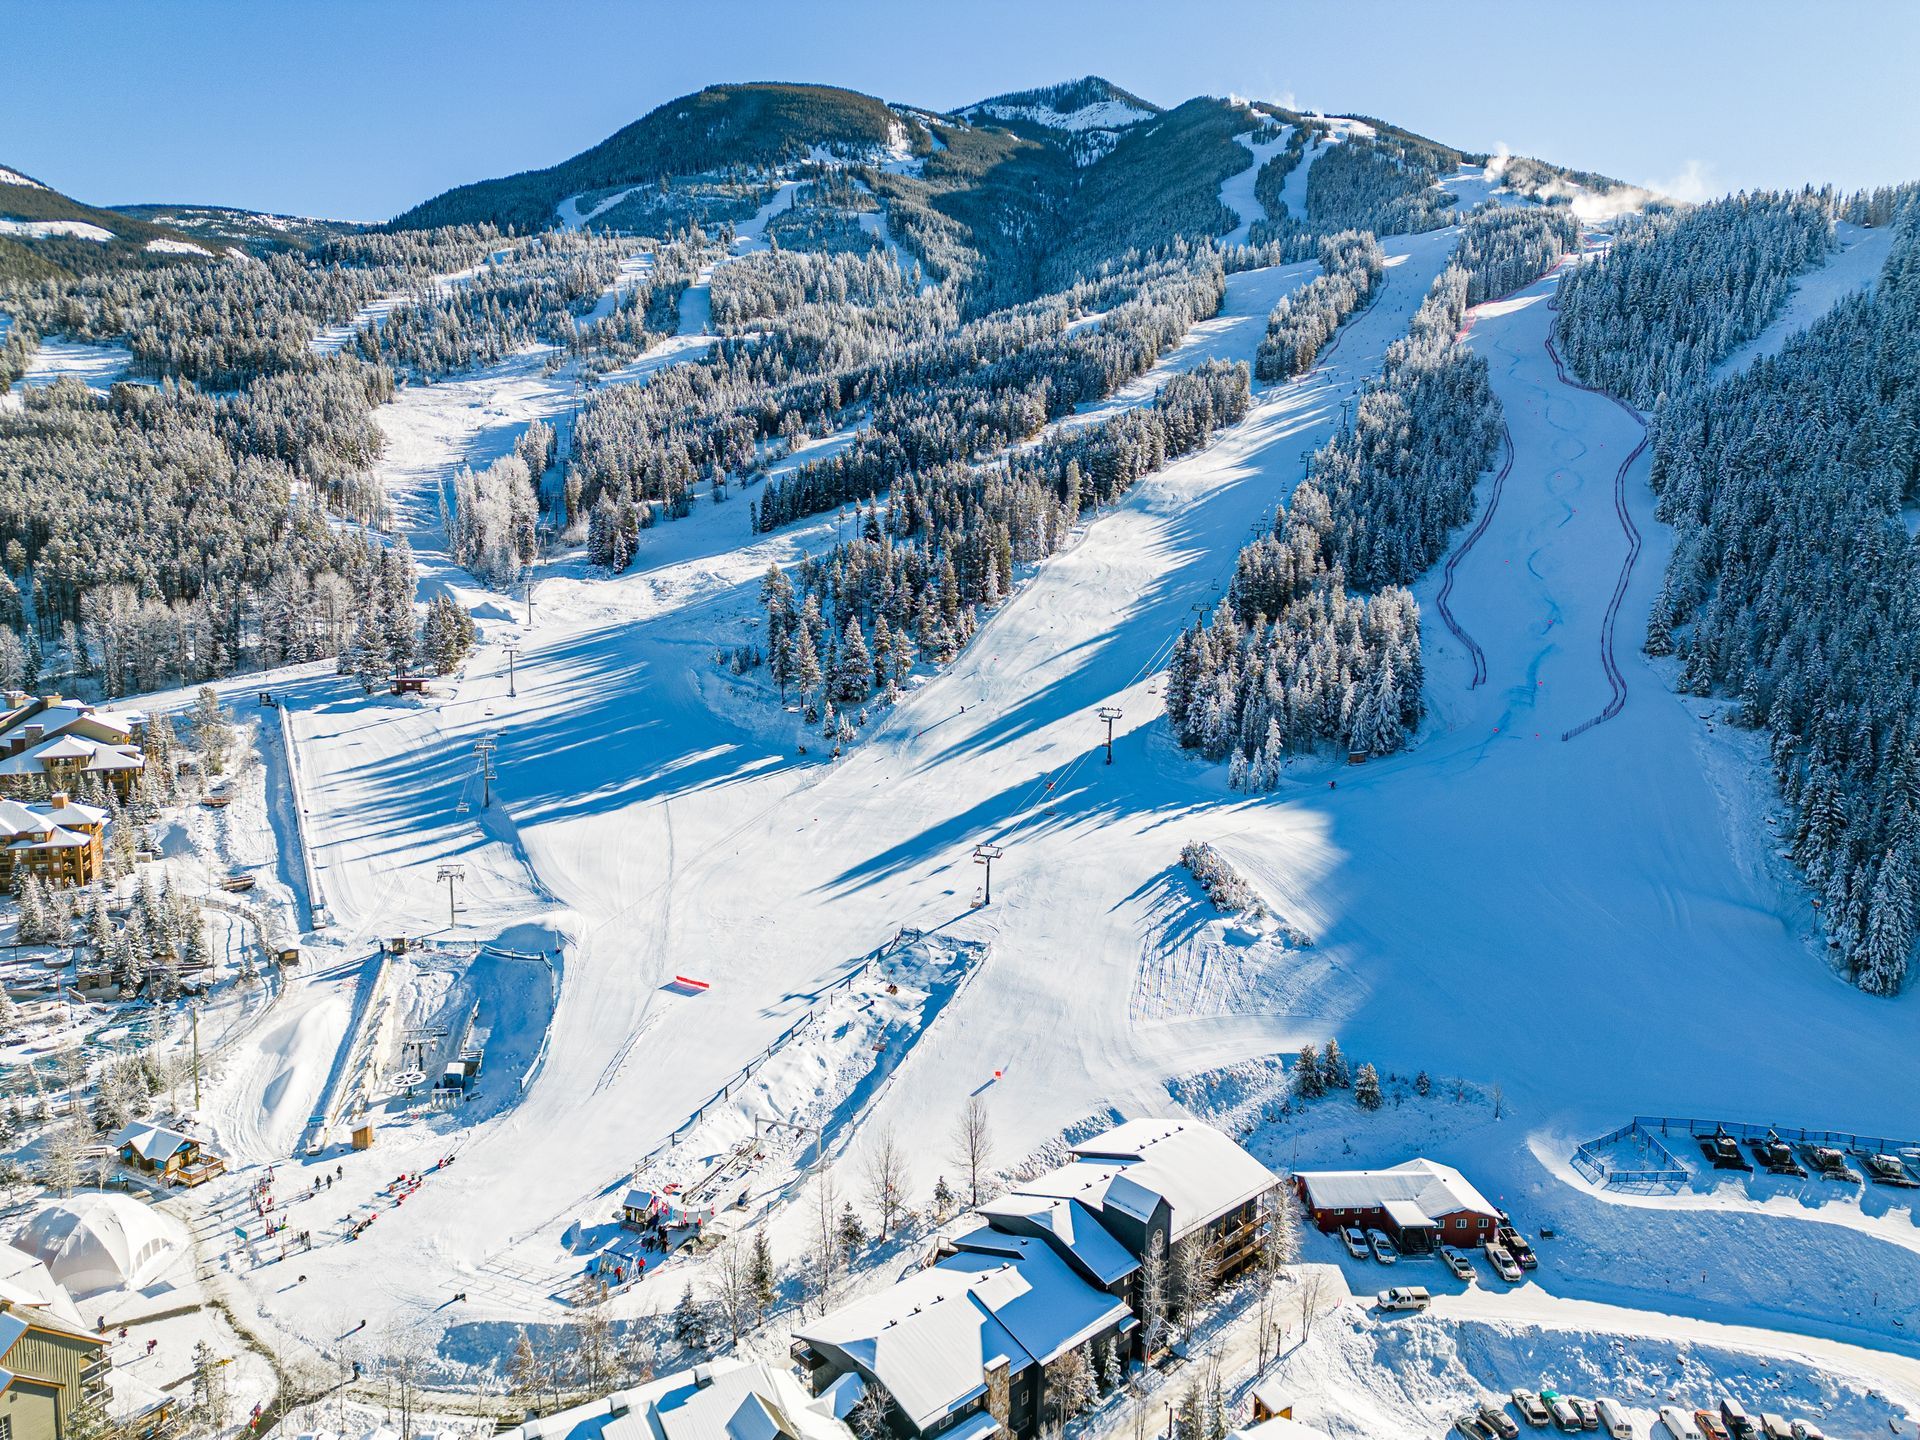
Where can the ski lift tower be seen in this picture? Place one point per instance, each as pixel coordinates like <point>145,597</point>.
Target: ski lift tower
<point>986,855</point>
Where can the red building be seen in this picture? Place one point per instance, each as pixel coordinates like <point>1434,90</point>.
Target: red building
<point>1419,1205</point>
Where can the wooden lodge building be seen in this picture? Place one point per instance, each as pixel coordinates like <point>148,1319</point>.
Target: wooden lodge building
<point>1419,1204</point>
<point>61,842</point>
<point>46,1366</point>
<point>970,1345</point>
<point>168,1155</point>
<point>45,739</point>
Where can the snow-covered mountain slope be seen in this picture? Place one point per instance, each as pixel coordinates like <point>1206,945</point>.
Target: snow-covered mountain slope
<point>1087,115</point>
<point>721,128</point>
<point>1855,263</point>
<point>45,234</point>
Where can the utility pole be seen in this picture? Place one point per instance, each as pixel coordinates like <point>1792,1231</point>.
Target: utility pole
<point>483,748</point>
<point>194,1013</point>
<point>451,873</point>
<point>986,855</point>
<point>512,653</point>
<point>1109,713</point>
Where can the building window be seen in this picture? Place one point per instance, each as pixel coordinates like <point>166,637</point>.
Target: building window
<point>6,1427</point>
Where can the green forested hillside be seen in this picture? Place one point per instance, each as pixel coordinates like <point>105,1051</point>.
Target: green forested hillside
<point>722,127</point>
<point>26,257</point>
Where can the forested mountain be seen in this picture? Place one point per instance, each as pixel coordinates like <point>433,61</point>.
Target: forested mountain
<point>1086,117</point>
<point>1795,588</point>
<point>1675,293</point>
<point>1005,199</point>
<point>722,128</point>
<point>219,226</point>
<point>1298,654</point>
<point>45,235</point>
<point>932,299</point>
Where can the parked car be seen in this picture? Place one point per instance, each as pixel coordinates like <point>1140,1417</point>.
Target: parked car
<point>1498,1421</point>
<point>1516,1246</point>
<point>1383,1250</point>
<point>1775,1427</point>
<point>1588,1412</point>
<point>1565,1417</point>
<point>1709,1424</point>
<point>1613,1419</point>
<point>1807,1430</point>
<point>1503,1263</point>
<point>1458,1263</point>
<point>1404,1297</point>
<point>1734,1416</point>
<point>1355,1242</point>
<point>1679,1424</point>
<point>1468,1424</point>
<point>1532,1409</point>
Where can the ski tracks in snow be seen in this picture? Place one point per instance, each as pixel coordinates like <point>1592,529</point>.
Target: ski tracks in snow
<point>1616,681</point>
<point>1474,652</point>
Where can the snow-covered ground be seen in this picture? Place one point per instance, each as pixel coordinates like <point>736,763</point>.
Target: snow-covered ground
<point>68,229</point>
<point>1293,190</point>
<point>1597,926</point>
<point>641,822</point>
<point>1854,265</point>
<point>98,366</point>
<point>1236,191</point>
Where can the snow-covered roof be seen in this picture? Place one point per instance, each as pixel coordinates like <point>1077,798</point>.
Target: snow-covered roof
<point>926,1339</point>
<point>1199,1172</point>
<point>1435,1188</point>
<point>1043,1304</point>
<point>1407,1214</point>
<point>55,837</point>
<point>722,1400</point>
<point>98,755</point>
<point>66,747</point>
<point>153,1143</point>
<point>977,1426</point>
<point>47,823</point>
<point>1278,1428</point>
<point>1074,1230</point>
<point>25,1280</point>
<point>61,715</point>
<point>755,1402</point>
<point>18,819</point>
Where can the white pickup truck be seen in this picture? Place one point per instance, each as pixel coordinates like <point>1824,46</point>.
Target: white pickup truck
<point>1404,1297</point>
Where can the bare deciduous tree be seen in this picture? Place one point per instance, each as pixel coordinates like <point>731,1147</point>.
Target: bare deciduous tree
<point>1313,1285</point>
<point>973,1145</point>
<point>824,1259</point>
<point>730,1276</point>
<point>887,1178</point>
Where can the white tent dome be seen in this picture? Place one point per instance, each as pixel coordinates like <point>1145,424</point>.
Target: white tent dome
<point>100,1242</point>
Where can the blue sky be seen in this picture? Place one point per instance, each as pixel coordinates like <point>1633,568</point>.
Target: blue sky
<point>358,108</point>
